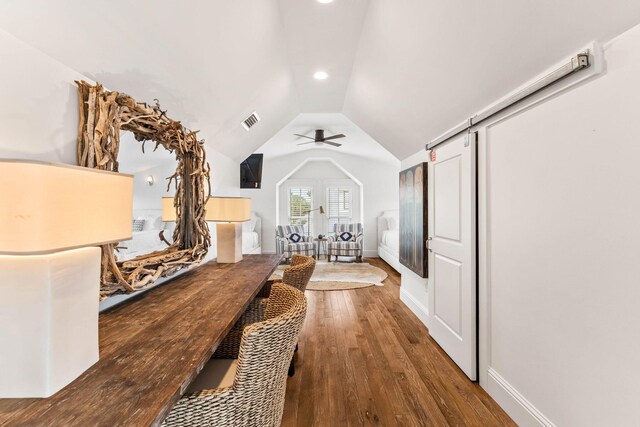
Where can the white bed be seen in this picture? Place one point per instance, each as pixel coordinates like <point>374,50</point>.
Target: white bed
<point>252,235</point>
<point>147,240</point>
<point>389,238</point>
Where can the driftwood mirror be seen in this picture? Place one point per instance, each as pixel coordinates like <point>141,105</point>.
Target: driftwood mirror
<point>102,116</point>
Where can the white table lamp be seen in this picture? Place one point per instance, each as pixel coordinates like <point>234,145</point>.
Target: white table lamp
<point>229,212</point>
<point>52,217</point>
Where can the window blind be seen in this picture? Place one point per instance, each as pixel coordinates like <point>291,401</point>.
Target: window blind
<point>300,201</point>
<point>339,206</point>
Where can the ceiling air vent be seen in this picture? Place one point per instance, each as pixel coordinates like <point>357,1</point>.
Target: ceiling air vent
<point>250,121</point>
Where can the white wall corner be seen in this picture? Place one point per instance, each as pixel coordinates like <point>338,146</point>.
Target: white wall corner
<point>418,308</point>
<point>514,403</point>
<point>369,253</point>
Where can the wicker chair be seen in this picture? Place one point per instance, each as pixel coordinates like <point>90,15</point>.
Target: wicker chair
<point>299,272</point>
<point>297,275</point>
<point>256,395</point>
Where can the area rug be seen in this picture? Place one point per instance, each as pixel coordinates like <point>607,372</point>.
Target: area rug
<point>337,276</point>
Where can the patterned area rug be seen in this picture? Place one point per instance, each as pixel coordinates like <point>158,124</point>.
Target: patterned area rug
<point>337,276</point>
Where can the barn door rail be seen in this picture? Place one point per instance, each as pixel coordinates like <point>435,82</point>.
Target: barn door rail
<point>577,63</point>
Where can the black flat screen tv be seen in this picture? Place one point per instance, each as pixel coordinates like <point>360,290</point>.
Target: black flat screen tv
<point>251,172</point>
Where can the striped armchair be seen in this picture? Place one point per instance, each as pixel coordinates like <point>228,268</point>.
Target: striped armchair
<point>306,245</point>
<point>341,244</point>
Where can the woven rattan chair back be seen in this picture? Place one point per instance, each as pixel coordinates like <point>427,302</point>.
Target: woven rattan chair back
<point>256,397</point>
<point>299,272</point>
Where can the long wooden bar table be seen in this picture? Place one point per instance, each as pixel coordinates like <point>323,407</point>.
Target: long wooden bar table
<point>151,349</point>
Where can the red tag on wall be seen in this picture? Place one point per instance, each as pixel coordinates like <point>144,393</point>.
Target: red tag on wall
<point>433,155</point>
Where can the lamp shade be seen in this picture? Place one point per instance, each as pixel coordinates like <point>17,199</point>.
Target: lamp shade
<point>228,209</point>
<point>50,207</point>
<point>168,210</point>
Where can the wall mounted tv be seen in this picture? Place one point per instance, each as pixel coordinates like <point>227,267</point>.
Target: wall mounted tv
<point>251,172</point>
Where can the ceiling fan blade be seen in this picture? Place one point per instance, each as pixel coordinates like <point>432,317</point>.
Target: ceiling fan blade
<point>335,144</point>
<point>303,143</point>
<point>335,136</point>
<point>303,136</point>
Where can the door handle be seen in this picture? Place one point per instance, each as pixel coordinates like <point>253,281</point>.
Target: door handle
<point>428,244</point>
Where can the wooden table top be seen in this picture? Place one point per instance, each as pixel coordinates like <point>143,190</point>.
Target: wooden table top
<point>151,349</point>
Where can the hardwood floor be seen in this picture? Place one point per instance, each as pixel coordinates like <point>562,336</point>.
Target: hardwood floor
<point>365,359</point>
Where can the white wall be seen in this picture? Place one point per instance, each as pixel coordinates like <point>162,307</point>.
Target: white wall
<point>559,281</point>
<point>147,196</point>
<point>379,180</point>
<point>38,106</point>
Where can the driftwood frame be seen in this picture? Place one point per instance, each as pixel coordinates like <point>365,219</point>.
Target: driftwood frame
<point>102,115</point>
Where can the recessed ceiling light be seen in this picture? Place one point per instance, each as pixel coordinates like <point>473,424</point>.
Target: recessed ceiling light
<point>320,75</point>
<point>324,1</point>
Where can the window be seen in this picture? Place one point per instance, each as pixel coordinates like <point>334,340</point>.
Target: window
<point>339,205</point>
<point>300,201</point>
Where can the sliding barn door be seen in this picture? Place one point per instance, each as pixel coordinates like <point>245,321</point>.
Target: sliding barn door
<point>452,247</point>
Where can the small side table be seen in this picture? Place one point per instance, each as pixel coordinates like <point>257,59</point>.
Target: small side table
<point>322,246</point>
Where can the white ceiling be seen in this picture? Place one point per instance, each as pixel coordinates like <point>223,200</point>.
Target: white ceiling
<point>322,37</point>
<point>423,66</point>
<point>403,71</point>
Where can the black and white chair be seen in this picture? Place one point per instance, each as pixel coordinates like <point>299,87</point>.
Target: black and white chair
<point>346,240</point>
<point>290,239</point>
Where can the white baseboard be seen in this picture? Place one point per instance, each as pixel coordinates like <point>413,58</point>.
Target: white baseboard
<point>415,306</point>
<point>389,258</point>
<point>514,403</point>
<point>370,254</point>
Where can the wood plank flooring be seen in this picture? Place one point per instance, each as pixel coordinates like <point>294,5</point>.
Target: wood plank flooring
<point>365,359</point>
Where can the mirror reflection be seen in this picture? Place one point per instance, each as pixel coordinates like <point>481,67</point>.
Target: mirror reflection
<point>150,170</point>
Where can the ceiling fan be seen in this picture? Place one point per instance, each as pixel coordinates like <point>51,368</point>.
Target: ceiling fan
<point>320,139</point>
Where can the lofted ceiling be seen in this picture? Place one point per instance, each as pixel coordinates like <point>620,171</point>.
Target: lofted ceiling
<point>402,71</point>
<point>211,63</point>
<point>356,141</point>
<point>322,37</point>
<point>423,67</point>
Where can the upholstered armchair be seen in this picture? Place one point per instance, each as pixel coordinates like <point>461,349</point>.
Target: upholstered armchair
<point>290,239</point>
<point>346,240</point>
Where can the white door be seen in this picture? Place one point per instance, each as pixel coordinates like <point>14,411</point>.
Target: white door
<point>452,250</point>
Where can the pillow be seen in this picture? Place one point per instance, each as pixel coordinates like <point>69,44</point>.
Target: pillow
<point>294,238</point>
<point>392,223</point>
<point>346,236</point>
<point>169,228</point>
<point>249,226</point>
<point>137,225</point>
<point>151,222</point>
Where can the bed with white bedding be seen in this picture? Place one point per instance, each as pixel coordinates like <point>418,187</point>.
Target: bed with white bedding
<point>148,239</point>
<point>389,238</point>
<point>252,235</point>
